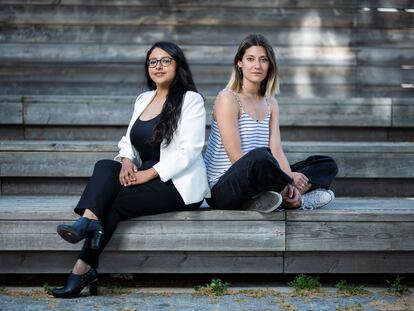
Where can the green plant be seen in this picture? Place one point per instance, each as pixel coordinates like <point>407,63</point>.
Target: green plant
<point>216,287</point>
<point>305,282</point>
<point>350,289</point>
<point>47,289</point>
<point>397,288</point>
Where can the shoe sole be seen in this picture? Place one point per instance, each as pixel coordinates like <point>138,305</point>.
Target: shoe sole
<point>267,196</point>
<point>68,234</point>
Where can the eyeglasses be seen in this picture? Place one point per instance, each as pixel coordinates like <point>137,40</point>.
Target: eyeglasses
<point>165,62</point>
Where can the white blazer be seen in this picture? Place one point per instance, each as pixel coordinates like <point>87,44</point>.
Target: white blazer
<point>181,161</point>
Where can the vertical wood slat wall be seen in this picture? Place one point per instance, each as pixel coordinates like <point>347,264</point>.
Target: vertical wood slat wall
<point>337,49</point>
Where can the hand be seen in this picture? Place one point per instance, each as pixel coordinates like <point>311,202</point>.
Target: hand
<point>300,180</point>
<point>141,177</point>
<point>128,169</point>
<point>291,197</point>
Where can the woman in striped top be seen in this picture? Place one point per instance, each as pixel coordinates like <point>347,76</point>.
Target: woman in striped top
<point>246,165</point>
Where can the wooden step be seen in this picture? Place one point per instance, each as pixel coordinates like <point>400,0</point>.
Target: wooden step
<point>351,235</point>
<point>48,167</point>
<point>106,118</point>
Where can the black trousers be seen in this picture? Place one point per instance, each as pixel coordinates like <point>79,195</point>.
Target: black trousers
<point>259,171</point>
<point>111,202</point>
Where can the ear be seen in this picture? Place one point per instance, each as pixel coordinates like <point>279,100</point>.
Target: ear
<point>240,64</point>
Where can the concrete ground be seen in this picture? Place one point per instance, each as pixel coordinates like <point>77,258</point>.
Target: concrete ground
<point>271,297</point>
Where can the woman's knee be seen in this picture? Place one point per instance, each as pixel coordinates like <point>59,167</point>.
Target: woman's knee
<point>105,163</point>
<point>331,165</point>
<point>262,154</point>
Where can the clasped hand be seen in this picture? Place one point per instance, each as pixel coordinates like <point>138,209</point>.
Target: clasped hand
<point>130,175</point>
<point>300,180</point>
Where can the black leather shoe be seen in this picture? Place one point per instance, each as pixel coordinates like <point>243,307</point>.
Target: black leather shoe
<point>81,229</point>
<point>76,283</point>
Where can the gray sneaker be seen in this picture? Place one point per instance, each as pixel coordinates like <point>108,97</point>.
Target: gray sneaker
<point>264,202</point>
<point>316,199</point>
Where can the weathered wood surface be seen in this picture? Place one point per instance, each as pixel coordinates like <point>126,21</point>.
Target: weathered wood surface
<point>236,241</point>
<point>172,16</point>
<point>402,113</point>
<point>349,236</point>
<point>185,35</point>
<point>11,110</point>
<point>133,53</point>
<point>154,235</point>
<point>381,20</point>
<point>147,262</point>
<point>117,110</point>
<point>76,159</point>
<point>202,54</point>
<point>204,74</point>
<point>359,210</point>
<point>61,208</point>
<point>348,262</point>
<point>197,3</point>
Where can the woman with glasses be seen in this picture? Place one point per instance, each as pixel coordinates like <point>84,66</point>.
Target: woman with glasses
<point>246,165</point>
<point>159,167</point>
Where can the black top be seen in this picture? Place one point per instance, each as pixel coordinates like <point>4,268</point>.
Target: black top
<point>141,134</point>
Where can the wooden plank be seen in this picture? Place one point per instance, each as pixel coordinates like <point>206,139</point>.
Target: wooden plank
<point>43,185</point>
<point>349,262</point>
<point>197,3</point>
<point>95,110</point>
<point>355,160</point>
<point>383,91</point>
<point>57,164</point>
<point>154,236</point>
<point>385,20</point>
<point>59,146</point>
<point>349,236</point>
<point>135,53</point>
<point>174,16</point>
<point>74,132</point>
<point>61,208</point>
<point>147,262</point>
<point>184,35</point>
<point>329,112</point>
<point>399,4</point>
<point>207,89</point>
<point>62,110</point>
<point>390,38</point>
<point>11,110</point>
<point>382,57</point>
<point>359,210</point>
<point>133,74</point>
<point>292,147</point>
<point>403,113</point>
<point>386,76</point>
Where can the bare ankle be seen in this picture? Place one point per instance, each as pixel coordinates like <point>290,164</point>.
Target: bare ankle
<point>80,267</point>
<point>89,214</point>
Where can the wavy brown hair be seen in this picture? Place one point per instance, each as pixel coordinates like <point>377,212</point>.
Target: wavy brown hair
<point>270,85</point>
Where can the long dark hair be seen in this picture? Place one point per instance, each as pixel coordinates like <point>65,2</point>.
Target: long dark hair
<point>182,82</point>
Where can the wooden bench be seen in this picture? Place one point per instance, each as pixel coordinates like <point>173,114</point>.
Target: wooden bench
<point>106,118</point>
<point>351,235</point>
<point>62,167</point>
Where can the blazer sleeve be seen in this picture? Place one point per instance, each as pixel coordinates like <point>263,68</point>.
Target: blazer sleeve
<point>188,140</point>
<point>125,147</point>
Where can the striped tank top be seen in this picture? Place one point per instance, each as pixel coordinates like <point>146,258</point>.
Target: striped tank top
<point>253,134</point>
